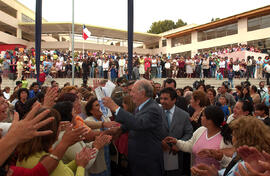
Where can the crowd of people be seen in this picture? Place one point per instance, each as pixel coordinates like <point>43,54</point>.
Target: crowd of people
<point>155,129</point>
<point>57,64</point>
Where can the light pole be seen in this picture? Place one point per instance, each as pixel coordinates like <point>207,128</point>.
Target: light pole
<point>72,47</point>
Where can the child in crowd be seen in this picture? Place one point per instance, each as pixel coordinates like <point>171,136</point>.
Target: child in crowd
<point>42,77</point>
<point>113,71</point>
<point>223,102</point>
<point>24,82</point>
<point>219,75</point>
<point>230,77</point>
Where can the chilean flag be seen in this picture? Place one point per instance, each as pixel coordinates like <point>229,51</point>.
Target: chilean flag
<point>85,33</point>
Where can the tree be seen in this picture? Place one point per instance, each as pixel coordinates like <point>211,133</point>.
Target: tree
<point>161,26</point>
<point>180,23</point>
<point>215,19</point>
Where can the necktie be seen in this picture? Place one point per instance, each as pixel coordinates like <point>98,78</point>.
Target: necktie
<point>168,116</point>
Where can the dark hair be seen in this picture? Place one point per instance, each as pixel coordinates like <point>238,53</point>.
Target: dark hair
<point>225,86</point>
<point>188,87</point>
<point>89,105</point>
<point>181,90</point>
<point>247,106</point>
<point>53,81</point>
<point>216,115</point>
<point>68,97</point>
<point>34,84</point>
<point>169,91</point>
<point>204,88</point>
<point>254,88</point>
<point>22,90</point>
<point>65,110</point>
<point>213,91</point>
<point>262,107</point>
<point>18,82</point>
<point>169,81</point>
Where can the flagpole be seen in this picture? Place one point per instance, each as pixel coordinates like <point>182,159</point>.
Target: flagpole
<point>83,49</point>
<point>73,42</point>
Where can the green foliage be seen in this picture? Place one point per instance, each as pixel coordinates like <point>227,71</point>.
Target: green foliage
<point>215,19</point>
<point>165,25</point>
<point>180,23</point>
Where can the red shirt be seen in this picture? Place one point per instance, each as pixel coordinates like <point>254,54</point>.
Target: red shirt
<point>181,64</point>
<point>38,170</point>
<point>42,77</point>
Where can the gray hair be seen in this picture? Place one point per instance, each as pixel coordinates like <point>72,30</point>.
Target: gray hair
<point>146,87</point>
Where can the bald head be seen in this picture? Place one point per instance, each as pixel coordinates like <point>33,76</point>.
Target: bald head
<point>146,86</point>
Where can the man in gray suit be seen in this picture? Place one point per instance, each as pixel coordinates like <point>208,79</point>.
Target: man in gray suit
<point>175,123</point>
<point>145,130</point>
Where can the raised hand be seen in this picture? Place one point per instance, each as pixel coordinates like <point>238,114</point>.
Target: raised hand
<point>50,96</point>
<point>72,136</point>
<point>108,102</point>
<point>26,129</point>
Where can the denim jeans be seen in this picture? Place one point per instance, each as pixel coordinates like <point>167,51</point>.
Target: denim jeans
<point>213,72</point>
<point>159,72</point>
<point>92,72</point>
<point>100,71</point>
<point>231,82</point>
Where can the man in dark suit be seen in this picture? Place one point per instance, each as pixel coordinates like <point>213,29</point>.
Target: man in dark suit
<point>145,130</point>
<point>180,101</point>
<point>175,123</point>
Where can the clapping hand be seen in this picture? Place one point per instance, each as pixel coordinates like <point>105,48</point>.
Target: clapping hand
<point>101,141</point>
<point>204,170</point>
<point>259,162</point>
<point>85,155</point>
<point>212,153</point>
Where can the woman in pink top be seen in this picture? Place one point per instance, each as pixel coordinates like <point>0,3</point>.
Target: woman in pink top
<point>147,63</point>
<point>213,135</point>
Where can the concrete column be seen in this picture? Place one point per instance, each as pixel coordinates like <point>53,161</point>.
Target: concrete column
<point>144,46</point>
<point>242,30</point>
<point>19,33</point>
<point>194,42</point>
<point>19,19</point>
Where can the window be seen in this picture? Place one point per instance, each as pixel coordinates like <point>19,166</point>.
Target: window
<point>259,22</point>
<point>26,18</point>
<point>183,40</point>
<point>164,43</point>
<point>218,32</point>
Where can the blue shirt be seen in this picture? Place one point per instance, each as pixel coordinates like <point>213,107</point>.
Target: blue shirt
<point>226,111</point>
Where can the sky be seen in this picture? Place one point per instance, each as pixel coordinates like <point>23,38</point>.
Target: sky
<point>113,13</point>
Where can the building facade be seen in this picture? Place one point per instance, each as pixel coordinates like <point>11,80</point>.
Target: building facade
<point>251,28</point>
